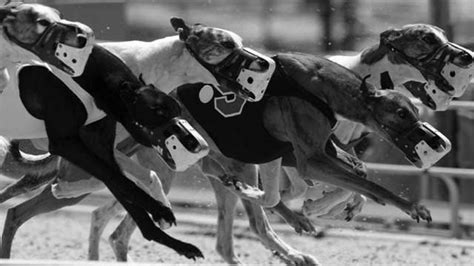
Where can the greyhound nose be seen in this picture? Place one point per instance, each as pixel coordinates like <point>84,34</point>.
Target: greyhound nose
<point>81,41</point>
<point>4,12</point>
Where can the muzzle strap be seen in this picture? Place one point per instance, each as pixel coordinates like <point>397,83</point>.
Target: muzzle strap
<point>423,145</point>
<point>432,67</point>
<point>234,72</point>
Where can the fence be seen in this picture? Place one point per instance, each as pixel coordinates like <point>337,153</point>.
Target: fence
<point>445,174</point>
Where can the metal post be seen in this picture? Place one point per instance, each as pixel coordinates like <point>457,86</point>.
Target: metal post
<point>440,16</point>
<point>424,182</point>
<point>454,203</point>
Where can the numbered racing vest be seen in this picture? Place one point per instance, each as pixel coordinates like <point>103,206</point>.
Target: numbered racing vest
<point>236,125</point>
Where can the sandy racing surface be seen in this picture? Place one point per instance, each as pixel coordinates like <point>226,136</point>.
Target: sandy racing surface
<point>64,236</point>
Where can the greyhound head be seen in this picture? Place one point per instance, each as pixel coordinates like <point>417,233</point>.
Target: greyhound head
<point>394,117</point>
<point>212,45</point>
<point>40,29</point>
<point>445,66</point>
<point>421,41</point>
<point>152,107</point>
<point>243,70</point>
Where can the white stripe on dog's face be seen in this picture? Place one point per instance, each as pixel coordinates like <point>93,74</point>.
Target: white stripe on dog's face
<point>213,45</point>
<point>439,33</point>
<point>27,22</point>
<point>420,40</point>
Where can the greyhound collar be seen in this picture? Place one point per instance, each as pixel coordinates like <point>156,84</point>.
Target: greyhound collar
<point>180,145</point>
<point>423,145</point>
<point>448,77</point>
<point>235,73</point>
<point>50,48</point>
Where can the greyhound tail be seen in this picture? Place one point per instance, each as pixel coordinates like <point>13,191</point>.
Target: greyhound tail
<point>18,163</point>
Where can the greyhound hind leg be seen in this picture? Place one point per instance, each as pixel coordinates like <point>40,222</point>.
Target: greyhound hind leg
<point>99,219</point>
<point>261,227</point>
<point>27,183</point>
<point>226,203</point>
<point>18,215</point>
<point>120,238</point>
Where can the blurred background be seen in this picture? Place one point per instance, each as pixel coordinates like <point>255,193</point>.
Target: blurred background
<point>321,27</point>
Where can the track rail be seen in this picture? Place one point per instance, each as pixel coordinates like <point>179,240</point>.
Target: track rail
<point>445,174</point>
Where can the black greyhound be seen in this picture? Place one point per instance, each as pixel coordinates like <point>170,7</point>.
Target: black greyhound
<point>91,146</point>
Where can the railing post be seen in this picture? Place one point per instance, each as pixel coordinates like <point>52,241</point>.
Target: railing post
<point>454,202</point>
<point>424,182</point>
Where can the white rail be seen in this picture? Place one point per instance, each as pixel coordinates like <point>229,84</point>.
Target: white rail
<point>454,105</point>
<point>446,174</point>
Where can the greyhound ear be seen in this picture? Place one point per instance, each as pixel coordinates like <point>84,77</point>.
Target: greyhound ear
<point>126,92</point>
<point>366,91</point>
<point>438,29</point>
<point>180,26</point>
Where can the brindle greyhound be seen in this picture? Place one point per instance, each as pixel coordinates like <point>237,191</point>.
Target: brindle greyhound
<point>81,137</point>
<point>388,66</point>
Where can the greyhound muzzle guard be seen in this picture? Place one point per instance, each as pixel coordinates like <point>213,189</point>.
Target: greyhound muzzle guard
<point>429,94</point>
<point>235,72</point>
<point>179,144</point>
<point>444,77</point>
<point>52,49</point>
<point>423,145</point>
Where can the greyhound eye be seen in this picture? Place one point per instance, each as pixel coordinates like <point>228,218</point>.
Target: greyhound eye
<point>228,44</point>
<point>430,39</point>
<point>43,22</point>
<point>402,113</point>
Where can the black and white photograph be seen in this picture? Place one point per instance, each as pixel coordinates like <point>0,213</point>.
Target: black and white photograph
<point>236,132</point>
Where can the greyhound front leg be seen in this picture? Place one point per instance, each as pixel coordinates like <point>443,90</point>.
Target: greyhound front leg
<point>332,171</point>
<point>123,189</point>
<point>146,180</point>
<point>137,203</point>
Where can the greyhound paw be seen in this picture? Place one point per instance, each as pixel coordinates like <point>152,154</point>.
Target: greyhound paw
<point>249,192</point>
<point>300,259</point>
<point>300,223</point>
<point>164,213</point>
<point>242,189</point>
<point>418,212</point>
<point>189,251</point>
<point>355,207</point>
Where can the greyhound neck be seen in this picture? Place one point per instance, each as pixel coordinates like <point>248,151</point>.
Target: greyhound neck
<point>13,54</point>
<point>335,85</point>
<point>165,63</point>
<point>398,73</point>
